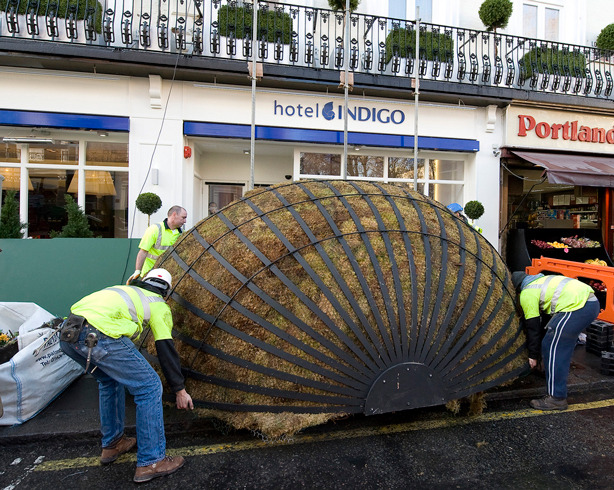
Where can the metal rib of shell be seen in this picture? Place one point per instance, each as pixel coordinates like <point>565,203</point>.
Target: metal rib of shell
<point>337,297</point>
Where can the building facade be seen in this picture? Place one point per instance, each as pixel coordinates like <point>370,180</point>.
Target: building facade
<point>115,105</point>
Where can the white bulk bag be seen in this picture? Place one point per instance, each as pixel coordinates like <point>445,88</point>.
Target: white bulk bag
<point>39,372</point>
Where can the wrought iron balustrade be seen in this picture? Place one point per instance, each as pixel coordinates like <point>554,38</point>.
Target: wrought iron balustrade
<point>308,37</point>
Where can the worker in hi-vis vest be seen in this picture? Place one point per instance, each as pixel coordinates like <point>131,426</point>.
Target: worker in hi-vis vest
<point>573,307</point>
<point>157,239</point>
<point>99,335</point>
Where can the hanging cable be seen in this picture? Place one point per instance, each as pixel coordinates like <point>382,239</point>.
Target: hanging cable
<point>170,90</point>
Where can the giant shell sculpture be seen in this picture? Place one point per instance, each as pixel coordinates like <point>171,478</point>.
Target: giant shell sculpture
<point>304,302</point>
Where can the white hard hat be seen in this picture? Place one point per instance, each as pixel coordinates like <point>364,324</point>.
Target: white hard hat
<point>157,276</point>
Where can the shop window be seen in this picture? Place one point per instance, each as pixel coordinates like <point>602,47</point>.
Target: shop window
<point>448,169</point>
<point>46,212</point>
<point>221,195</point>
<point>106,196</point>
<point>403,168</point>
<point>320,164</point>
<point>53,168</point>
<point>60,153</point>
<point>447,193</point>
<point>10,153</point>
<point>106,154</point>
<point>365,166</point>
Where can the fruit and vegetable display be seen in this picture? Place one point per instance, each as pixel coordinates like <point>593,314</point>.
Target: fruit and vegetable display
<point>568,242</point>
<point>597,285</point>
<point>596,262</point>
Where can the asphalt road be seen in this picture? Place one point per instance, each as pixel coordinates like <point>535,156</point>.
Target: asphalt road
<point>508,446</point>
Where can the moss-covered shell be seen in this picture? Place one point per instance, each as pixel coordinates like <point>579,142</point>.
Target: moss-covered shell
<point>306,301</point>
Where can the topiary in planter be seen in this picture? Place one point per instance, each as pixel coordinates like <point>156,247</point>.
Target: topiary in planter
<point>77,226</point>
<point>402,42</point>
<point>340,4</point>
<point>237,22</point>
<point>605,39</point>
<point>474,209</point>
<point>304,302</point>
<point>148,203</point>
<point>543,59</point>
<point>10,225</point>
<point>63,11</point>
<point>495,14</point>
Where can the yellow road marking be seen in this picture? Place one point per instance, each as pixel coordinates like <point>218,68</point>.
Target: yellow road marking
<point>448,421</point>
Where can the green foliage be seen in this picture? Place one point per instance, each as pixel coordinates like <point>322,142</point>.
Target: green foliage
<point>10,226</point>
<point>77,226</point>
<point>63,11</point>
<point>402,42</point>
<point>474,209</point>
<point>237,21</point>
<point>148,203</point>
<point>340,4</point>
<point>495,14</point>
<point>547,59</point>
<point>605,39</point>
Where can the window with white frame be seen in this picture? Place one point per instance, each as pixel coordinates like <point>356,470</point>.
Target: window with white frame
<point>439,178</point>
<point>541,20</point>
<point>94,173</point>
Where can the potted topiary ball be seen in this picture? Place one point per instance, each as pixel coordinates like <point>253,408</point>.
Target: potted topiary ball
<point>605,39</point>
<point>148,203</point>
<point>495,14</point>
<point>473,210</point>
<point>340,4</point>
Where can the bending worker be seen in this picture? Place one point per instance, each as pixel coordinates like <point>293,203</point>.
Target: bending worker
<point>457,210</point>
<point>157,239</point>
<point>573,307</point>
<point>99,333</point>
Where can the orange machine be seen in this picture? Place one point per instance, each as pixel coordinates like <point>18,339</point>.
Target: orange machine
<point>584,272</point>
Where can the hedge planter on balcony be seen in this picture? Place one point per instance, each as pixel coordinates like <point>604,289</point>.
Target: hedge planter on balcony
<point>553,61</point>
<point>237,22</point>
<point>401,43</point>
<point>29,18</point>
<point>307,301</point>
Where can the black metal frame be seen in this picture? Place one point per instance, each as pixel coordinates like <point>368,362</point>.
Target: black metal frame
<point>378,45</point>
<point>422,351</point>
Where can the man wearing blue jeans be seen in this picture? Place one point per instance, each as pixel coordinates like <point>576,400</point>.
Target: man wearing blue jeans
<point>573,307</point>
<point>104,325</point>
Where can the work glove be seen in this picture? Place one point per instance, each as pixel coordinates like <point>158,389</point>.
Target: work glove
<point>135,275</point>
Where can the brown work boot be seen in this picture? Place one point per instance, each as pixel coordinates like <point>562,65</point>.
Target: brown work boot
<point>110,454</point>
<point>162,468</point>
<point>549,403</point>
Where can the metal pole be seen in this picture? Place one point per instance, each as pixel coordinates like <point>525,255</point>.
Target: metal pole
<point>416,97</point>
<point>346,62</point>
<point>252,150</point>
<point>1,180</point>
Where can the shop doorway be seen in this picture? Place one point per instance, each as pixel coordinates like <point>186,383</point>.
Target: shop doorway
<point>220,195</point>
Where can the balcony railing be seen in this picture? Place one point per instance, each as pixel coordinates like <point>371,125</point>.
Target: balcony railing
<point>293,35</point>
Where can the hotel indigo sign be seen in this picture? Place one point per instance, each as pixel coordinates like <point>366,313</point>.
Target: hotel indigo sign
<point>330,111</point>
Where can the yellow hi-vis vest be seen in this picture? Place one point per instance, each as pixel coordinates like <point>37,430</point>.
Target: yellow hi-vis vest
<point>553,294</point>
<point>156,240</point>
<point>126,310</point>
